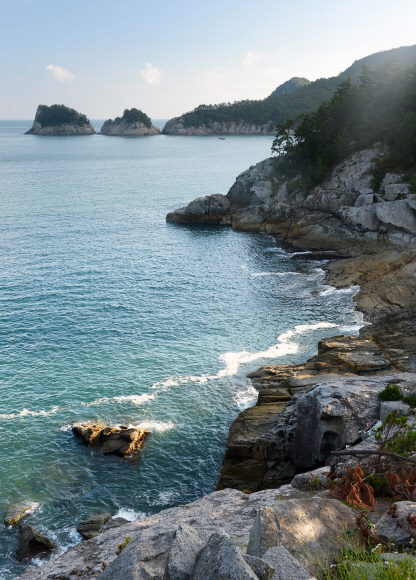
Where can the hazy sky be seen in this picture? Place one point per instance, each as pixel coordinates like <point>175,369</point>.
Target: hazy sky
<point>168,56</point>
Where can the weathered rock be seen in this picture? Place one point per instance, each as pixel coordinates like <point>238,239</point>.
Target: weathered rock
<point>113,440</point>
<point>15,513</point>
<point>221,560</point>
<point>260,567</point>
<point>394,190</point>
<point>397,524</point>
<point>228,511</point>
<point>124,129</point>
<point>185,547</point>
<point>114,523</point>
<point>397,214</point>
<point>312,480</point>
<point>91,526</point>
<point>32,543</point>
<point>63,129</point>
<point>285,565</point>
<point>310,529</point>
<point>389,406</point>
<point>211,209</point>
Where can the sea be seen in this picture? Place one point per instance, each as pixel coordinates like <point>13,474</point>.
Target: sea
<point>110,314</point>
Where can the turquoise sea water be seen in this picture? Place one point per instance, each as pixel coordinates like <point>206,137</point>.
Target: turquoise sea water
<point>109,314</point>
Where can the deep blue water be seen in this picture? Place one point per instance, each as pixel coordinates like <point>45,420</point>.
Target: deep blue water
<point>109,314</point>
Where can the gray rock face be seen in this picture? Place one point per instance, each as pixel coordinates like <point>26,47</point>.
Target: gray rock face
<point>260,567</point>
<point>311,480</point>
<point>221,560</point>
<point>285,566</point>
<point>228,511</point>
<point>397,214</point>
<point>185,547</point>
<point>136,129</point>
<point>394,526</point>
<point>211,209</point>
<point>394,190</point>
<point>91,526</point>
<point>32,543</point>
<point>176,126</point>
<point>310,529</point>
<point>389,406</point>
<point>65,129</point>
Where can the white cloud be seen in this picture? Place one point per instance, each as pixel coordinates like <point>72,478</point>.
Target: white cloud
<point>59,73</point>
<point>251,58</point>
<point>151,74</point>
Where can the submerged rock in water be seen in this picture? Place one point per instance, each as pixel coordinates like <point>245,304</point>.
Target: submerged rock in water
<point>15,513</point>
<point>92,526</point>
<point>112,440</point>
<point>32,543</point>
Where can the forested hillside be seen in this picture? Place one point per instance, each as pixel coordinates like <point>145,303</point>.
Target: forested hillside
<point>379,108</point>
<point>305,99</point>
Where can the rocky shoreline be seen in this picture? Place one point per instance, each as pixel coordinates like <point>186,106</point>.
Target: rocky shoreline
<point>304,411</point>
<point>176,126</point>
<point>125,129</point>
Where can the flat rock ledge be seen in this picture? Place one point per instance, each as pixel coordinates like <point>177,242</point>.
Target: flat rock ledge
<point>66,129</point>
<point>118,441</point>
<point>123,129</point>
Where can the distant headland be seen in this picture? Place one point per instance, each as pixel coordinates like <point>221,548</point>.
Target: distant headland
<point>60,120</point>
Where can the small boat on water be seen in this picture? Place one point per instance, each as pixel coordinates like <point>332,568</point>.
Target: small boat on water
<point>222,138</point>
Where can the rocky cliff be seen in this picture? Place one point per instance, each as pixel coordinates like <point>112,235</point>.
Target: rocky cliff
<point>125,129</point>
<point>65,129</point>
<point>367,238</point>
<point>176,126</point>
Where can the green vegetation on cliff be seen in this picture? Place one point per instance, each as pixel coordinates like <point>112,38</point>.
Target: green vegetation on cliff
<point>134,116</point>
<point>56,115</point>
<point>379,108</point>
<point>284,105</point>
<point>290,86</point>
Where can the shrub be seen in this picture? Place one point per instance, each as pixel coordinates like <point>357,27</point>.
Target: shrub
<point>391,393</point>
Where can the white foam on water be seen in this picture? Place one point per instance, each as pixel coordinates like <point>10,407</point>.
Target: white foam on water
<point>331,290</point>
<point>166,384</point>
<point>244,267</point>
<point>255,275</point>
<point>155,426</point>
<point>65,427</point>
<point>246,398</point>
<point>129,514</point>
<point>165,497</point>
<point>136,399</point>
<point>28,413</point>
<point>233,360</point>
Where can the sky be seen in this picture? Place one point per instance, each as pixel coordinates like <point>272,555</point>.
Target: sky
<point>166,57</point>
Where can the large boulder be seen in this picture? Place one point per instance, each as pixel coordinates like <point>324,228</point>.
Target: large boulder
<point>285,565</point>
<point>91,526</point>
<point>310,529</point>
<point>185,547</point>
<point>112,440</point>
<point>32,543</point>
<point>398,524</point>
<point>221,560</point>
<point>211,209</point>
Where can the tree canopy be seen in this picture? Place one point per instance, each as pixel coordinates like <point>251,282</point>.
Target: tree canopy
<point>59,115</point>
<point>379,108</point>
<point>135,116</point>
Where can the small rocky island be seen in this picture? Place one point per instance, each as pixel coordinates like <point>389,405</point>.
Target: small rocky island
<point>133,123</point>
<point>60,120</point>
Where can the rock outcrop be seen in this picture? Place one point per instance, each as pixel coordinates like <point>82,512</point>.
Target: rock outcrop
<point>91,526</point>
<point>176,126</point>
<point>60,129</point>
<point>32,543</point>
<point>125,129</point>
<point>270,443</point>
<point>112,440</point>
<point>168,544</point>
